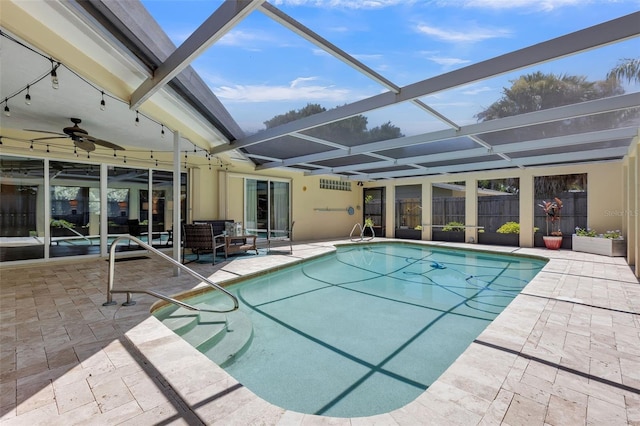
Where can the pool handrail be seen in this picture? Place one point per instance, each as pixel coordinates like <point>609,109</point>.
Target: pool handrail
<point>357,225</point>
<point>62,225</point>
<point>129,302</point>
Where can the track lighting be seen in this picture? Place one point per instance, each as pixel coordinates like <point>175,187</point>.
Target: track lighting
<point>137,119</point>
<point>27,97</point>
<point>54,75</point>
<point>103,105</point>
<point>7,111</point>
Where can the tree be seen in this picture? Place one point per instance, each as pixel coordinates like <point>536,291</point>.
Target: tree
<point>626,69</point>
<point>350,131</point>
<point>538,91</point>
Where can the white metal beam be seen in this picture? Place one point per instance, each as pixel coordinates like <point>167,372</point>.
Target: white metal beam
<point>570,140</point>
<point>501,164</point>
<point>537,117</point>
<point>229,14</point>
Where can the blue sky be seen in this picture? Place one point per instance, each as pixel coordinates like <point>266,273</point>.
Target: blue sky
<point>261,69</point>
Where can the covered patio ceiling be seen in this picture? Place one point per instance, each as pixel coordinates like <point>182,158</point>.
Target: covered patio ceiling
<point>152,69</point>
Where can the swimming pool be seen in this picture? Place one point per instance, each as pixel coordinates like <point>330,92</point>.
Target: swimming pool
<point>363,331</point>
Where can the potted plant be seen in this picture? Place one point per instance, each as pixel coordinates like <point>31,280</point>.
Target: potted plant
<point>610,243</point>
<point>552,209</point>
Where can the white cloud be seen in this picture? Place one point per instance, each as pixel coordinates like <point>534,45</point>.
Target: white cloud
<point>470,35</point>
<point>545,5</point>
<point>448,62</point>
<point>301,80</point>
<point>297,90</point>
<point>241,38</point>
<point>345,4</point>
<point>477,90</point>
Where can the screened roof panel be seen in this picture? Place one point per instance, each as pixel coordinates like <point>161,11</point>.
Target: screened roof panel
<point>366,89</point>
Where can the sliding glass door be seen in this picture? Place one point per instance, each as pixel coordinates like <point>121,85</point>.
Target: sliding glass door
<point>267,207</point>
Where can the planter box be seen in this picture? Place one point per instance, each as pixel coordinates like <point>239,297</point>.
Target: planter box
<point>497,239</point>
<point>602,246</point>
<point>450,236</point>
<point>408,234</point>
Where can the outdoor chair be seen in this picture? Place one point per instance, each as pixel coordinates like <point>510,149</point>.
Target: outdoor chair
<point>199,238</point>
<point>281,235</point>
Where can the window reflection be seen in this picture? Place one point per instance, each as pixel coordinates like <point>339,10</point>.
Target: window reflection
<point>74,225</point>
<point>21,208</point>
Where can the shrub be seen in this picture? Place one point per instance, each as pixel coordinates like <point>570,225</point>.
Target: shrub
<point>61,223</point>
<point>509,228</point>
<point>453,226</point>
<point>588,232</point>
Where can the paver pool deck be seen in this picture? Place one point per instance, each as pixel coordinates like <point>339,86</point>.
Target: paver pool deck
<point>565,351</point>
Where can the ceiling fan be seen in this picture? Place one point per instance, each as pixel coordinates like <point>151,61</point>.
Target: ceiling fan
<point>80,137</point>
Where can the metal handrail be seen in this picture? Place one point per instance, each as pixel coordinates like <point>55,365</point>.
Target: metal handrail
<point>77,233</point>
<point>112,267</point>
<point>357,225</point>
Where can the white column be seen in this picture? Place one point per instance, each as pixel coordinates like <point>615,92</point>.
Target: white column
<point>471,211</point>
<point>177,229</point>
<point>104,217</point>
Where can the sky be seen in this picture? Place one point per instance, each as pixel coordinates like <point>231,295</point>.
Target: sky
<point>261,69</point>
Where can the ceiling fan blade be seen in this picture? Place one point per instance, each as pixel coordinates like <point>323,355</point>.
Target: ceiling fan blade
<point>44,131</point>
<point>85,145</point>
<point>46,138</point>
<point>100,142</point>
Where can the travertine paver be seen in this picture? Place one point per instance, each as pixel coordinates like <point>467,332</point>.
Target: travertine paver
<point>566,351</point>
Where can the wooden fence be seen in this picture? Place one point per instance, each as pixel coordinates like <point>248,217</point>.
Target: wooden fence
<point>496,210</point>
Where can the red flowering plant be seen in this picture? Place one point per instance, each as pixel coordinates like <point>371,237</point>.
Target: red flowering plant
<point>552,211</point>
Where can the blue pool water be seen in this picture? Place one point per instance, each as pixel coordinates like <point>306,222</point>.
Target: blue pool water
<point>366,330</point>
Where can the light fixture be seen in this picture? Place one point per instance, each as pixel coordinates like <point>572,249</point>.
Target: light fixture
<point>7,111</point>
<point>125,160</point>
<point>54,75</point>
<point>137,119</point>
<point>152,155</point>
<point>75,151</point>
<point>103,104</point>
<point>27,97</point>
<point>161,134</point>
<point>48,148</point>
<point>114,153</point>
<point>31,146</point>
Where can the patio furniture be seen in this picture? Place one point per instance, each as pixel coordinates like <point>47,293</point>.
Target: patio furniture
<point>239,243</point>
<point>284,235</point>
<point>199,238</point>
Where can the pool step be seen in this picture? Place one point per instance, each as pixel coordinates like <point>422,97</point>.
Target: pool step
<point>235,341</point>
<point>201,329</point>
